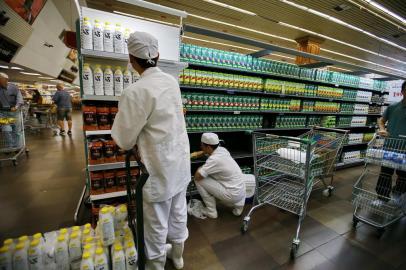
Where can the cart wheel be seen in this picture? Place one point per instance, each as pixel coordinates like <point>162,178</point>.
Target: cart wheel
<point>293,250</point>
<point>244,226</point>
<point>354,222</point>
<point>328,191</point>
<point>380,232</point>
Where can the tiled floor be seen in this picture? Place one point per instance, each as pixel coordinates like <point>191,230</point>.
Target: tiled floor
<point>41,193</point>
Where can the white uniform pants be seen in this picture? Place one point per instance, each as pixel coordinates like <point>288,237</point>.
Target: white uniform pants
<point>164,221</point>
<point>208,187</point>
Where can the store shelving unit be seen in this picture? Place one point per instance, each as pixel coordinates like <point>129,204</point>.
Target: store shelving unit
<point>109,195</point>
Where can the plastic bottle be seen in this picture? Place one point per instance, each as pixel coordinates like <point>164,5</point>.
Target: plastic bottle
<point>127,33</point>
<point>85,234</point>
<point>98,81</point>
<point>107,38</point>
<point>86,35</point>
<point>87,262</point>
<point>90,249</point>
<point>98,36</point>
<point>108,81</point>
<point>120,217</point>
<point>131,256</point>
<point>118,81</point>
<point>118,39</point>
<point>100,260</point>
<point>118,257</point>
<point>5,258</point>
<point>20,257</point>
<point>61,253</point>
<point>106,224</point>
<point>87,80</point>
<point>127,78</point>
<point>74,247</point>
<point>35,255</point>
<point>136,76</point>
<point>10,243</point>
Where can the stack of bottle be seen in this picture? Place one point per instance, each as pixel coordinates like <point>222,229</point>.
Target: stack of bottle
<point>313,121</point>
<point>280,105</point>
<point>219,102</point>
<point>354,138</point>
<point>361,108</point>
<point>364,96</point>
<point>320,106</point>
<point>290,122</point>
<point>344,121</point>
<point>308,106</point>
<point>349,94</point>
<point>347,108</point>
<point>328,121</point>
<point>299,89</point>
<point>329,92</point>
<point>222,122</point>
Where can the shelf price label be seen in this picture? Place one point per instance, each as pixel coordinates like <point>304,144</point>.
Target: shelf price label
<point>237,112</point>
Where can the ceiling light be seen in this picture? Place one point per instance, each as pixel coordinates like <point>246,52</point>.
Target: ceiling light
<point>5,67</point>
<point>17,68</point>
<point>219,43</point>
<point>30,73</point>
<point>230,7</point>
<point>343,69</point>
<point>144,18</point>
<point>45,78</point>
<point>386,11</point>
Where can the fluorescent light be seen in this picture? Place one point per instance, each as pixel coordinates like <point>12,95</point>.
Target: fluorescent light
<point>30,73</point>
<point>144,18</point>
<point>343,69</point>
<point>17,68</point>
<point>5,67</point>
<point>219,43</point>
<point>386,11</point>
<point>230,7</point>
<point>156,7</point>
<point>45,78</point>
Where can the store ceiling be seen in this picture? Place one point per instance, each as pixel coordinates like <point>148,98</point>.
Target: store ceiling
<point>287,22</point>
<point>14,73</point>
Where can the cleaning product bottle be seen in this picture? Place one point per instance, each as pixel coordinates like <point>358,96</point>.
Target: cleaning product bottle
<point>85,234</point>
<point>100,260</point>
<point>118,39</point>
<point>108,38</point>
<point>118,81</point>
<point>120,217</point>
<point>90,249</point>
<point>87,80</point>
<point>97,36</point>
<point>74,247</point>
<point>20,257</point>
<point>86,34</point>
<point>98,81</point>
<point>61,253</point>
<point>127,78</point>
<point>108,81</point>
<point>87,262</point>
<point>10,243</point>
<point>77,230</point>
<point>5,258</point>
<point>127,33</point>
<point>131,256</point>
<point>118,257</point>
<point>106,224</point>
<point>35,255</point>
<point>136,76</point>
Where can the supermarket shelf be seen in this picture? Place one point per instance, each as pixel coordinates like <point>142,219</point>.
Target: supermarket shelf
<point>108,195</point>
<point>278,112</point>
<point>97,132</point>
<point>100,98</point>
<point>219,89</point>
<point>110,166</point>
<point>355,162</point>
<point>276,76</point>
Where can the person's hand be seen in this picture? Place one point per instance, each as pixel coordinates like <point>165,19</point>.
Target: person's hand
<point>196,154</point>
<point>13,109</point>
<point>383,133</point>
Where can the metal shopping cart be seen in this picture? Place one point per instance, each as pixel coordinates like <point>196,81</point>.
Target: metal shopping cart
<point>375,201</point>
<point>12,136</point>
<point>287,168</point>
<point>42,116</point>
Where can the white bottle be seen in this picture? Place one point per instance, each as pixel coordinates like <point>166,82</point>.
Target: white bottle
<point>90,249</point>
<point>127,79</point>
<point>108,81</point>
<point>74,247</point>
<point>127,33</point>
<point>20,257</point>
<point>25,240</point>
<point>87,262</point>
<point>106,224</point>
<point>85,234</point>
<point>118,82</point>
<point>118,39</point>
<point>10,243</point>
<point>131,256</point>
<point>118,257</point>
<point>61,253</point>
<point>35,255</point>
<point>5,258</point>
<point>87,80</point>
<point>98,81</point>
<point>86,34</point>
<point>100,260</point>
<point>97,36</point>
<point>108,38</point>
<point>136,76</point>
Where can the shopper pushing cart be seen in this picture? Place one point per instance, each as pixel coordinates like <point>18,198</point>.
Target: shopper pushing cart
<point>287,168</point>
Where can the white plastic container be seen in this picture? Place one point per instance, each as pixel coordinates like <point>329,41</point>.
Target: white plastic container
<point>5,258</point>
<point>61,253</point>
<point>100,260</point>
<point>98,81</point>
<point>136,76</point>
<point>127,79</point>
<point>35,256</point>
<point>108,81</point>
<point>118,257</point>
<point>85,234</point>
<point>87,262</point>
<point>87,80</point>
<point>20,257</point>
<point>86,34</point>
<point>127,33</point>
<point>74,247</point>
<point>90,249</point>
<point>10,243</point>
<point>98,36</point>
<point>108,38</point>
<point>131,256</point>
<point>25,240</point>
<point>106,225</point>
<point>118,39</point>
<point>118,81</point>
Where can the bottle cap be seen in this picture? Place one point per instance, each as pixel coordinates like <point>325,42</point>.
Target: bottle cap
<point>87,226</point>
<point>74,235</point>
<point>34,243</point>
<point>105,210</point>
<point>96,21</point>
<point>4,249</point>
<point>122,208</point>
<point>89,240</point>
<point>87,247</point>
<point>118,247</point>
<point>99,251</point>
<point>118,24</point>
<point>23,238</point>
<point>61,238</point>
<point>20,246</point>
<point>107,23</point>
<point>108,66</point>
<point>75,228</point>
<point>117,67</point>
<point>63,231</point>
<point>8,242</point>
<point>85,18</point>
<point>37,236</point>
<point>86,255</point>
<point>86,231</point>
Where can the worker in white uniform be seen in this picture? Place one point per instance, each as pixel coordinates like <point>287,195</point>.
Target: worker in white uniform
<point>150,115</point>
<point>219,178</point>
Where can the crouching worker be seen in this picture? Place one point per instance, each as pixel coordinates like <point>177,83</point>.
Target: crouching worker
<point>219,178</point>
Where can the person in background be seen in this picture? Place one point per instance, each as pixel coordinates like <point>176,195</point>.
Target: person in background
<point>63,101</point>
<point>219,178</point>
<point>395,118</point>
<point>150,115</point>
<point>10,95</point>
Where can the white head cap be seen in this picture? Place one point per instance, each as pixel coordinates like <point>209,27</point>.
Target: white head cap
<point>143,45</point>
<point>210,138</point>
<point>3,75</point>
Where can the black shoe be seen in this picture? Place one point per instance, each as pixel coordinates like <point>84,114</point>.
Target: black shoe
<point>62,133</point>
<point>69,132</point>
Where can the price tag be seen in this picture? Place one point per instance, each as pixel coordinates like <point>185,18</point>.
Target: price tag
<point>230,92</point>
<point>330,99</point>
<point>237,112</point>
<point>281,114</point>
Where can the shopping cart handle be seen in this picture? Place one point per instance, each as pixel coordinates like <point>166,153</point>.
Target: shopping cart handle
<point>143,170</point>
<point>331,129</point>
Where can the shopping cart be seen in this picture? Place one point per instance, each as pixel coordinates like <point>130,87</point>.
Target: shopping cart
<point>375,201</point>
<point>12,136</point>
<point>286,168</point>
<point>42,117</point>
